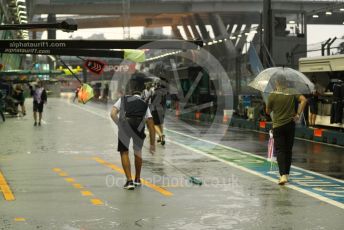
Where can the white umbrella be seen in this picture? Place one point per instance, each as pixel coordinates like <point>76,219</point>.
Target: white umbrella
<point>293,80</point>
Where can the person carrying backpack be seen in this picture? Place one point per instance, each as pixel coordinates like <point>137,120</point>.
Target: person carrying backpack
<point>130,113</point>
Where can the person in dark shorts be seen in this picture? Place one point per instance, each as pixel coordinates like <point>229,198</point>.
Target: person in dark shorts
<point>39,99</point>
<point>19,96</point>
<point>133,114</point>
<point>281,103</point>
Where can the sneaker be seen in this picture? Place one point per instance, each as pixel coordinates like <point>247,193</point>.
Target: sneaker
<point>35,124</point>
<point>137,182</point>
<point>129,185</point>
<point>283,179</point>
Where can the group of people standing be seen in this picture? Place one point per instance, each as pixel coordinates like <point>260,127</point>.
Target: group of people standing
<point>39,95</point>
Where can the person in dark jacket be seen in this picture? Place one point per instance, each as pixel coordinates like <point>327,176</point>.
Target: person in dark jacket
<point>39,99</point>
<point>130,113</point>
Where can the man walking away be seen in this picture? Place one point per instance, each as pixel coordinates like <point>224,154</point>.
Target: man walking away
<point>158,111</point>
<point>133,113</point>
<point>282,103</point>
<point>39,99</point>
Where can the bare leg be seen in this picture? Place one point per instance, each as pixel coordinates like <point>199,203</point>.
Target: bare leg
<point>158,131</point>
<point>126,164</point>
<point>23,109</point>
<point>138,164</point>
<point>35,116</point>
<point>40,117</point>
<point>314,117</point>
<point>311,119</point>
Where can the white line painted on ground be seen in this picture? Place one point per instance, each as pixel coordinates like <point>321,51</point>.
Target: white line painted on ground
<point>250,154</point>
<point>322,198</point>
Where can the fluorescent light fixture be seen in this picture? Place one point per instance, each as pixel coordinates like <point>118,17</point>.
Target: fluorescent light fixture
<point>341,9</point>
<point>291,22</point>
<point>23,21</point>
<point>220,40</point>
<point>247,33</point>
<point>22,7</point>
<point>23,16</point>
<point>210,43</point>
<point>215,41</point>
<point>256,31</point>
<point>239,36</point>
<point>21,12</point>
<point>20,1</point>
<point>232,37</point>
<point>315,16</point>
<point>225,39</point>
<point>204,44</point>
<point>328,13</point>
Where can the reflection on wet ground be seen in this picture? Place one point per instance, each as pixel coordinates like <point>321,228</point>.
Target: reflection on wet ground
<point>317,157</point>
<point>230,197</point>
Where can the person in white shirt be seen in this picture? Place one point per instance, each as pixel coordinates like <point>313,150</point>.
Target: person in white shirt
<point>130,113</point>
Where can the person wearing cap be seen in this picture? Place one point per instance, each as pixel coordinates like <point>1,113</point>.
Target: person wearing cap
<point>130,113</point>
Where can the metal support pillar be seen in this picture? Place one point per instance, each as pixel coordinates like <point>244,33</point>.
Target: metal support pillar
<point>230,48</point>
<point>52,36</point>
<point>126,18</point>
<point>84,75</point>
<point>34,37</point>
<point>51,32</point>
<point>267,25</point>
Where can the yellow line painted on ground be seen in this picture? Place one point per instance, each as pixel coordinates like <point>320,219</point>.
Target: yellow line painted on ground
<point>86,193</point>
<point>96,202</point>
<point>5,188</point>
<point>78,186</point>
<point>63,174</point>
<point>144,182</point>
<point>19,219</point>
<point>70,179</point>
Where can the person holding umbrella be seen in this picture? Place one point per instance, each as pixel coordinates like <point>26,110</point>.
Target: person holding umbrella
<point>282,104</point>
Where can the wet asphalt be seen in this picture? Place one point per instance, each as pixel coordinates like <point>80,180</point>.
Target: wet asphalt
<point>63,176</point>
